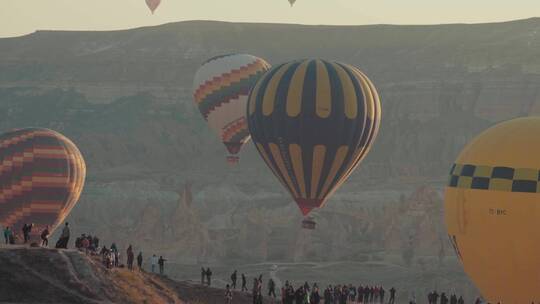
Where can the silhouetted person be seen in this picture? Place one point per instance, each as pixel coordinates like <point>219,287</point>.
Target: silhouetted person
<point>392,296</point>
<point>244,283</point>
<point>139,260</point>
<point>444,299</point>
<point>64,237</point>
<point>26,229</point>
<point>209,276</point>
<point>453,299</point>
<point>161,263</point>
<point>45,237</point>
<point>271,288</point>
<point>460,300</point>
<point>381,294</point>
<point>95,242</point>
<point>130,257</point>
<point>233,279</point>
<point>435,297</point>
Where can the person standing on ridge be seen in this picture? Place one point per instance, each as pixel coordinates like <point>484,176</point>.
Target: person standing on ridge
<point>233,279</point>
<point>153,262</point>
<point>209,276</point>
<point>6,234</point>
<point>26,229</point>
<point>139,260</point>
<point>244,283</point>
<point>130,256</point>
<point>161,263</point>
<point>64,237</point>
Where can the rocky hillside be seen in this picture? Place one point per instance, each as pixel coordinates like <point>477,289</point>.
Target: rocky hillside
<point>67,276</point>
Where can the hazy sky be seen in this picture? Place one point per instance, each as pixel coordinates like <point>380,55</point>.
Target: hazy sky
<point>18,17</point>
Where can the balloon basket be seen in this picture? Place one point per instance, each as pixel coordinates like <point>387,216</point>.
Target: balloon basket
<point>308,223</point>
<point>233,160</point>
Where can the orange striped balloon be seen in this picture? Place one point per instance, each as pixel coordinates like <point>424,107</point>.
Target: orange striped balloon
<point>42,175</point>
<point>220,90</point>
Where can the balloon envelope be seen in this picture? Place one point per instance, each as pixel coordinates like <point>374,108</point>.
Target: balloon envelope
<point>221,88</point>
<point>42,175</point>
<point>492,211</point>
<point>313,121</point>
<point>153,4</point>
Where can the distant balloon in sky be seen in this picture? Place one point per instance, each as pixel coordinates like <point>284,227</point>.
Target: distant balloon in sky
<point>153,4</point>
<point>492,211</point>
<point>313,122</point>
<point>292,2</point>
<point>220,90</point>
<point>42,175</point>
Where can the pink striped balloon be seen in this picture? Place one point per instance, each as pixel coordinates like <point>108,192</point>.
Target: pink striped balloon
<point>153,4</point>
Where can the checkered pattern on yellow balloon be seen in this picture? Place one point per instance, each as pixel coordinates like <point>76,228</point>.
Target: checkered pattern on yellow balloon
<point>496,178</point>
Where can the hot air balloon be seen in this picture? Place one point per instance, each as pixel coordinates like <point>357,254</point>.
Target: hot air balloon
<point>221,87</point>
<point>492,211</point>
<point>292,2</point>
<point>313,121</point>
<point>41,178</point>
<point>153,4</point>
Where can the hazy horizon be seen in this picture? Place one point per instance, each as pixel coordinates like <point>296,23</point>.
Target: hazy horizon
<point>103,15</point>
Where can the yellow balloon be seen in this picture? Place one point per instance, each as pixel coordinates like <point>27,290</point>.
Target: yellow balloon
<point>492,211</point>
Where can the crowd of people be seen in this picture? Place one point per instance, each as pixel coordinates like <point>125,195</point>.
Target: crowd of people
<point>332,294</point>
<point>434,298</point>
<point>90,245</point>
<point>311,294</point>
